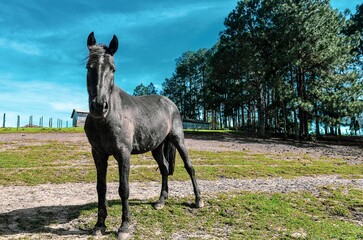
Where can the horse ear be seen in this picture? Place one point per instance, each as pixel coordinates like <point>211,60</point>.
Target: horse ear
<point>112,48</point>
<point>91,40</point>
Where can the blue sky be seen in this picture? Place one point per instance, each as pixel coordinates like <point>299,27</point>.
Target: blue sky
<point>43,47</point>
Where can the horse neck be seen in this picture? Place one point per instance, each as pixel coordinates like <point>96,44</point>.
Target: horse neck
<point>118,98</point>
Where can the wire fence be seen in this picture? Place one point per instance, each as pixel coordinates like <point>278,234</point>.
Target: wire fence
<point>56,123</point>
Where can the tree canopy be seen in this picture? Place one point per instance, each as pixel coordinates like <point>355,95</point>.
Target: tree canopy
<point>141,90</point>
<point>279,65</point>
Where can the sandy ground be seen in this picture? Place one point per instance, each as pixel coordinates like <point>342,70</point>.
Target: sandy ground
<point>18,202</point>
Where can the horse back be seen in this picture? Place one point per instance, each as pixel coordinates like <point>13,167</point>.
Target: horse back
<point>153,118</point>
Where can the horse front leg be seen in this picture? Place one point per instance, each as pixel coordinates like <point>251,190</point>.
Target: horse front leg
<point>101,162</point>
<point>123,160</point>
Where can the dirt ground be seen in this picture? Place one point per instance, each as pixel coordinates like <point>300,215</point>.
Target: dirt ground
<point>55,200</point>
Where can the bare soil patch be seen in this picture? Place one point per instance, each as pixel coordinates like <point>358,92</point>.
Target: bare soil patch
<point>349,149</point>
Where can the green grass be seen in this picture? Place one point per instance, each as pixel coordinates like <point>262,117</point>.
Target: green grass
<point>210,131</point>
<point>330,214</point>
<point>61,162</point>
<point>333,213</point>
<point>242,215</point>
<point>80,129</point>
<point>42,130</point>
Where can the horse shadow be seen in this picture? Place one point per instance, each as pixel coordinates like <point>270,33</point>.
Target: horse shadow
<point>59,220</point>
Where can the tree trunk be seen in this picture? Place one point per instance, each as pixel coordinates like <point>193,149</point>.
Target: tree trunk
<point>296,127</point>
<point>284,119</point>
<point>254,124</point>
<point>339,132</point>
<point>220,117</point>
<point>300,96</point>
<point>261,113</point>
<point>214,125</point>
<point>243,117</point>
<point>317,130</point>
<point>249,117</point>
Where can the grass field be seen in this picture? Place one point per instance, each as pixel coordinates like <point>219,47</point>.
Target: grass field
<point>242,215</point>
<point>80,129</point>
<point>41,130</point>
<point>61,162</point>
<point>333,213</point>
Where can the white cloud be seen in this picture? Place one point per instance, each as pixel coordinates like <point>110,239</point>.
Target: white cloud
<point>38,98</point>
<point>136,21</point>
<point>68,106</point>
<point>26,48</point>
<point>145,17</point>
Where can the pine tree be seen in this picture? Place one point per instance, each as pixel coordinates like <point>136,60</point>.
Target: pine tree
<point>141,90</point>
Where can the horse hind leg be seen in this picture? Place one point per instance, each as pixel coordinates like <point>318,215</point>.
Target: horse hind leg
<point>178,141</point>
<point>158,155</point>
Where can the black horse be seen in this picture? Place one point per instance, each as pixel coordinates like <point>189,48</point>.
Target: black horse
<point>121,125</point>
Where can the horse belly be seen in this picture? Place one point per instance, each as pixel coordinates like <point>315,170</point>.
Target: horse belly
<point>152,124</point>
<point>147,141</point>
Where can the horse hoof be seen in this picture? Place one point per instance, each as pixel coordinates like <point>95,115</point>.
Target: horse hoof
<point>199,203</point>
<point>98,231</point>
<point>123,235</point>
<point>159,205</point>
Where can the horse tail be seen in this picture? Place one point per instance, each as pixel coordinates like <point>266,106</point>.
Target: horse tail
<point>169,154</point>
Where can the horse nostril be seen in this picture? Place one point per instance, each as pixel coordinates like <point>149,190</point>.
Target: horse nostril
<point>93,104</point>
<point>105,107</point>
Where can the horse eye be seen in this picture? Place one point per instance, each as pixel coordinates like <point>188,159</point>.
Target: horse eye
<point>90,66</point>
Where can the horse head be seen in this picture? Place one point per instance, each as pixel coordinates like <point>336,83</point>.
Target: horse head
<point>100,75</point>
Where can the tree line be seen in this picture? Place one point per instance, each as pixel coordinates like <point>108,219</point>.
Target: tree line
<point>279,65</point>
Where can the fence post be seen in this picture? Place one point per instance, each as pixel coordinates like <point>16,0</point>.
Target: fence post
<point>4,121</point>
<point>41,122</point>
<point>18,123</point>
<point>31,121</point>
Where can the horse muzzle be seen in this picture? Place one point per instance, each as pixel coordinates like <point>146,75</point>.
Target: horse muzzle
<point>98,109</point>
